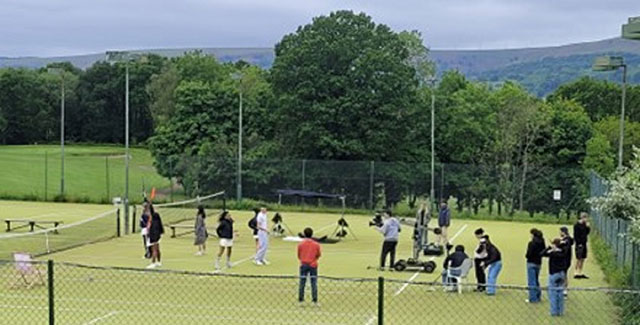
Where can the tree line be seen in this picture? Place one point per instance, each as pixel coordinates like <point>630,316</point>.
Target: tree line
<point>342,88</point>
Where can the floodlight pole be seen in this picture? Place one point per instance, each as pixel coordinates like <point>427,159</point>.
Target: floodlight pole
<point>238,76</point>
<point>624,95</point>
<point>62,100</point>
<point>433,104</point>
<point>126,146</point>
<point>60,72</point>
<point>239,185</point>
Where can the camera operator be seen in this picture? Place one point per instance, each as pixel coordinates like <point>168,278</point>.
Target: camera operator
<point>390,228</point>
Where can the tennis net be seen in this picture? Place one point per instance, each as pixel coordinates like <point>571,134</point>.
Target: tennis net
<point>100,227</point>
<point>183,211</point>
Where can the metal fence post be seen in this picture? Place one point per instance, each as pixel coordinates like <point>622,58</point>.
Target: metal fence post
<point>133,220</point>
<point>50,289</point>
<point>617,236</point>
<point>380,300</point>
<point>106,168</point>
<point>371,171</point>
<point>46,167</point>
<point>634,266</point>
<point>118,222</point>
<point>171,180</point>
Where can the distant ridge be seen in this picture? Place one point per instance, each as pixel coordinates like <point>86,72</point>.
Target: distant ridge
<point>536,68</point>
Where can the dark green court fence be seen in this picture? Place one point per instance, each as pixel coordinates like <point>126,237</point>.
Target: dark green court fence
<point>62,293</point>
<point>615,232</point>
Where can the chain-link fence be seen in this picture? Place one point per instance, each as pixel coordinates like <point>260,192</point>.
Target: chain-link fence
<point>500,190</point>
<point>615,232</point>
<point>37,293</point>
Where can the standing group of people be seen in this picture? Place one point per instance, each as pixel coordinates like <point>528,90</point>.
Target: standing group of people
<point>560,254</point>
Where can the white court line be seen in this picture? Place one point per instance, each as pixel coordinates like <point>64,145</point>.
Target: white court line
<point>404,286</point>
<point>236,263</point>
<point>103,317</point>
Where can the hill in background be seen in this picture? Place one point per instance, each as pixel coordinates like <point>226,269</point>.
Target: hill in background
<point>540,70</point>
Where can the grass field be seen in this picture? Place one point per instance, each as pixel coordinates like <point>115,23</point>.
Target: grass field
<point>240,295</point>
<point>87,177</point>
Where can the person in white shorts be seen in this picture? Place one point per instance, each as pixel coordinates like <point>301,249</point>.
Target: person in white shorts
<point>263,238</point>
<point>226,234</point>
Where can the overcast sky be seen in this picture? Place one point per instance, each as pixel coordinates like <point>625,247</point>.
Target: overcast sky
<point>63,27</point>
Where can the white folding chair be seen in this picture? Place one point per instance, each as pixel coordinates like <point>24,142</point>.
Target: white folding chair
<point>463,269</point>
<point>26,270</point>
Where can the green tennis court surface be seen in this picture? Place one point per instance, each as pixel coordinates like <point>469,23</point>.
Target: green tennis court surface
<point>110,296</point>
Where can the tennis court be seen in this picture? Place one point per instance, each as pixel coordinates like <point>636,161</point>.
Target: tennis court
<point>105,282</point>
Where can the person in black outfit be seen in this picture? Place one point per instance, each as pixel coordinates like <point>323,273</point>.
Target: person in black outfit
<point>479,257</point>
<point>534,261</point>
<point>453,261</point>
<point>156,229</point>
<point>225,233</point>
<point>557,262</point>
<point>565,244</point>
<point>581,232</point>
<point>493,264</point>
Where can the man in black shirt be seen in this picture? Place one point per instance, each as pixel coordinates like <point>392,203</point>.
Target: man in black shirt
<point>581,232</point>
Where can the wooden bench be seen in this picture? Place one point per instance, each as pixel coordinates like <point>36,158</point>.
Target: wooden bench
<point>31,224</point>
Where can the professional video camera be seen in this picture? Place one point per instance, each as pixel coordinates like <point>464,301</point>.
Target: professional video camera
<point>376,221</point>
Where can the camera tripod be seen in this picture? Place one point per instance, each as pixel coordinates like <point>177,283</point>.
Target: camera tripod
<point>341,229</point>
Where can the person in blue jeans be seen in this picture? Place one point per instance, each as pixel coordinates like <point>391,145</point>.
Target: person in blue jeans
<point>493,264</point>
<point>534,261</point>
<point>557,257</point>
<point>309,252</point>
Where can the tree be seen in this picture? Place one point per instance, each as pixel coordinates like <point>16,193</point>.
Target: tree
<point>345,84</point>
<point>418,56</point>
<point>609,127</point>
<point>198,143</point>
<point>622,199</point>
<point>600,155</point>
<point>25,107</point>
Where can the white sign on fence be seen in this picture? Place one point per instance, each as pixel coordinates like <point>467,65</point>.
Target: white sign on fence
<point>557,195</point>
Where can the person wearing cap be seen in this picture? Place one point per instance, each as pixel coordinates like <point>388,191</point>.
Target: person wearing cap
<point>390,229</point>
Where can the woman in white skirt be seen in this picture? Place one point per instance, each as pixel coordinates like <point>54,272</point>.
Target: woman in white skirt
<point>201,231</point>
<point>226,234</point>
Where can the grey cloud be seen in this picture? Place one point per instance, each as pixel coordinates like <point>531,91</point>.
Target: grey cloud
<point>45,27</point>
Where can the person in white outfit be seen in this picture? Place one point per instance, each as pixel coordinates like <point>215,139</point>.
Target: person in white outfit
<point>263,238</point>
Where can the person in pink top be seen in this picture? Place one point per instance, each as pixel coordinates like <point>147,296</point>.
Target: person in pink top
<point>308,253</point>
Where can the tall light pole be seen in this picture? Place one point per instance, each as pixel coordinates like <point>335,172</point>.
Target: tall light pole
<point>126,57</point>
<point>433,147</point>
<point>60,72</point>
<point>238,77</point>
<point>609,63</point>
